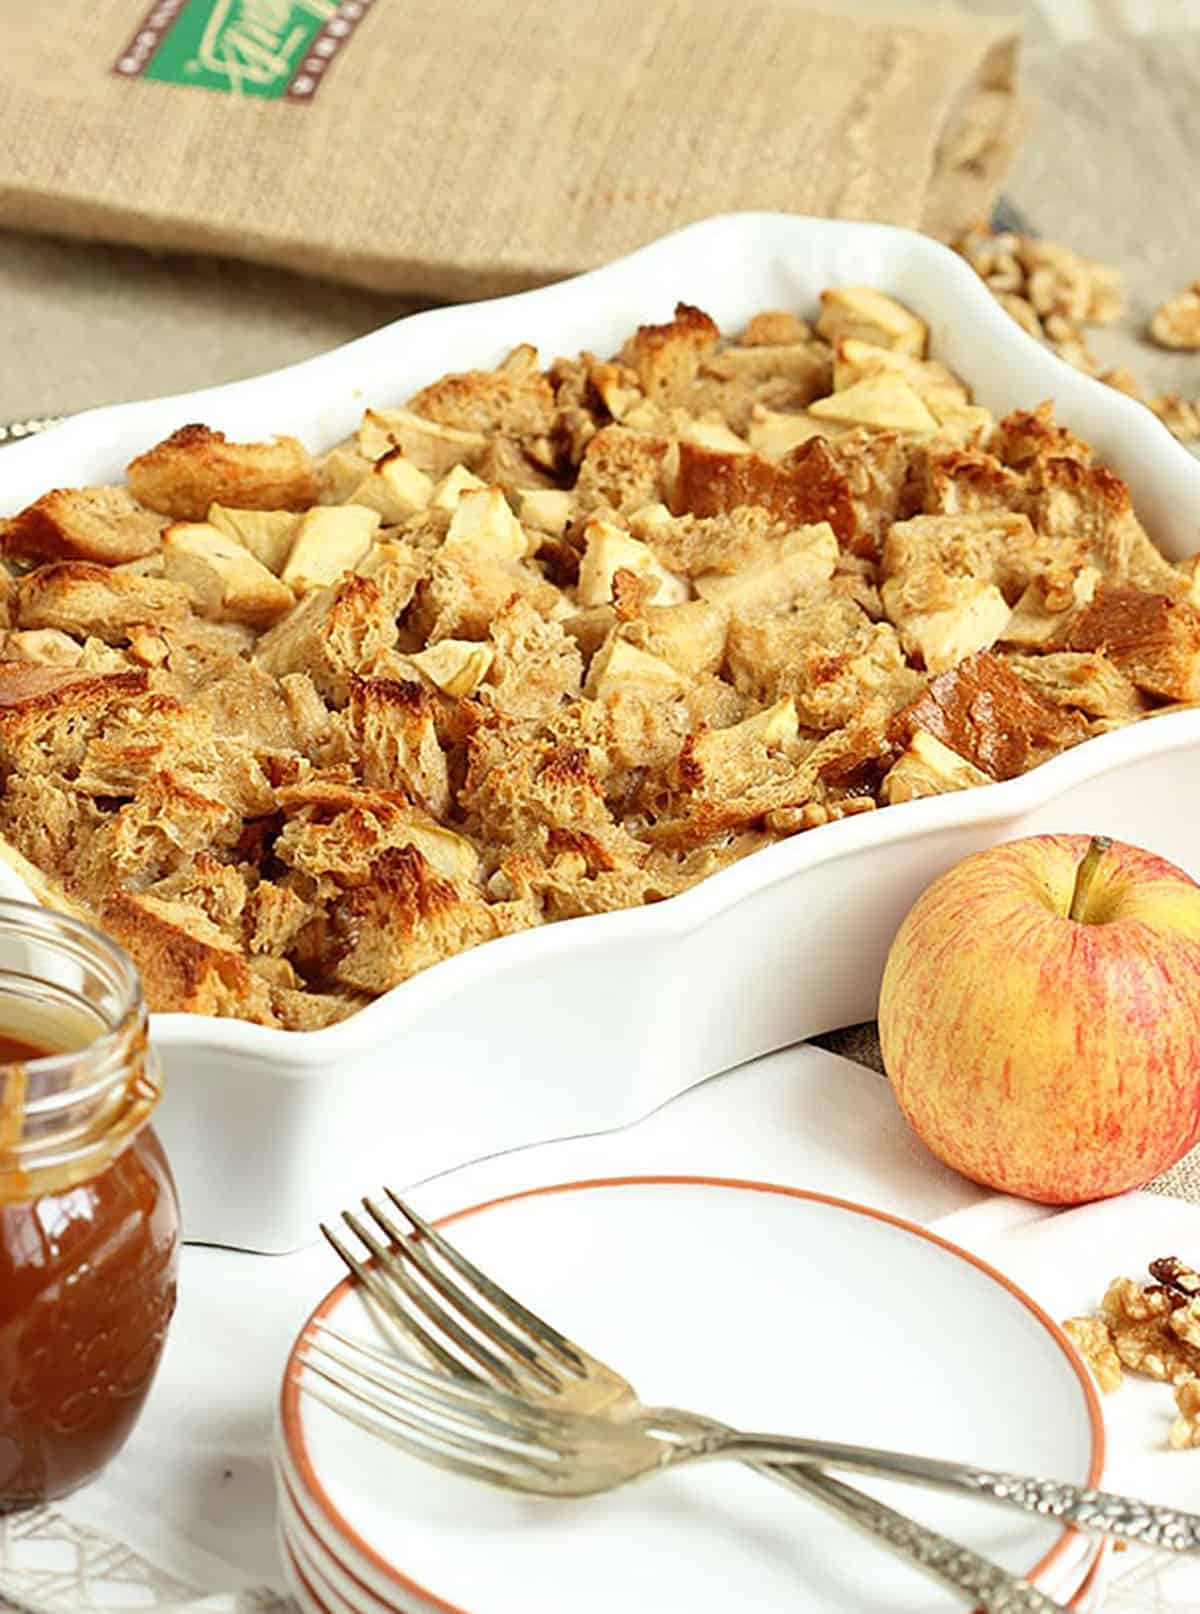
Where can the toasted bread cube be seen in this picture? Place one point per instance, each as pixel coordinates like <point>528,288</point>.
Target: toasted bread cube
<point>666,358</point>
<point>50,647</point>
<point>267,534</point>
<point>987,713</point>
<point>945,637</point>
<point>185,961</point>
<point>619,665</point>
<point>456,666</point>
<point>611,549</point>
<point>339,472</point>
<point>1153,641</point>
<point>807,559</point>
<point>775,327</point>
<point>773,434</point>
<point>883,400</point>
<point>331,539</point>
<point>226,582</point>
<point>544,509</point>
<point>1191,571</point>
<point>80,598</point>
<point>434,448</point>
<point>871,316</point>
<point>483,524</point>
<point>453,485</point>
<point>1084,679</point>
<point>928,768</point>
<point>98,524</point>
<point>195,466</point>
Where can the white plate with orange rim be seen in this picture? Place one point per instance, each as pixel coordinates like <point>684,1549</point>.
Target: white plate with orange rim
<point>323,1584</point>
<point>768,1307</point>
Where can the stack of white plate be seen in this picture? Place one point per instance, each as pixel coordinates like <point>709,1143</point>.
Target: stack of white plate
<point>766,1307</point>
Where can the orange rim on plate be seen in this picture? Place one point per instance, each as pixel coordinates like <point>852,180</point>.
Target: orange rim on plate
<point>290,1394</point>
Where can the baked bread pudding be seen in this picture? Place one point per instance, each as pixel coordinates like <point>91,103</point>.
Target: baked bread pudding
<point>547,642</point>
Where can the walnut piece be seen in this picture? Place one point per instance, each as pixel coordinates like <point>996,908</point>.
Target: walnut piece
<point>1176,323</point>
<point>1091,1337</point>
<point>1185,1431</point>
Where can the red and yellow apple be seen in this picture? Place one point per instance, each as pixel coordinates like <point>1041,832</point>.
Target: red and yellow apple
<point>1040,1017</point>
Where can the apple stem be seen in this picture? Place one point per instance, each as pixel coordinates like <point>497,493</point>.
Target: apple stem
<point>1085,875</point>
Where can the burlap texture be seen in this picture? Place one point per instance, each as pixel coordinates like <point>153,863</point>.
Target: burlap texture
<point>460,148</point>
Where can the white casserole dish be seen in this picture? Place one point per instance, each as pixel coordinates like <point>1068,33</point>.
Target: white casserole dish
<point>590,1024</point>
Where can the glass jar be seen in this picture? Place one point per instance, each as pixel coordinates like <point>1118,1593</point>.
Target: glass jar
<point>89,1220</point>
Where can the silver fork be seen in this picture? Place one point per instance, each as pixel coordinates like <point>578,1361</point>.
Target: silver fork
<point>470,1328</point>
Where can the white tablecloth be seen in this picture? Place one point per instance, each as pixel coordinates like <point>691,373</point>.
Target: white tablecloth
<point>185,1515</point>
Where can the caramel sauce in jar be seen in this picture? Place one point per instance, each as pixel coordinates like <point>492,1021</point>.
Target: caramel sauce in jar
<point>89,1221</point>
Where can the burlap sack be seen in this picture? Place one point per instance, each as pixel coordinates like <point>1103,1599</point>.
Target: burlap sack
<point>457,148</point>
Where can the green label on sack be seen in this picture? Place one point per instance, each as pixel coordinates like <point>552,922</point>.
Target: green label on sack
<point>275,49</point>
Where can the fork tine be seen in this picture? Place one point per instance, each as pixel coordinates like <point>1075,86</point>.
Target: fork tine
<point>456,1398</point>
<point>536,1327</point>
<point>411,1296</point>
<point>427,1442</point>
<point>389,1304</point>
<point>408,1248</point>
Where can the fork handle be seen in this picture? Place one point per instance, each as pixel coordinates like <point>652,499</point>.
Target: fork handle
<point>1101,1512</point>
<point>983,1582</point>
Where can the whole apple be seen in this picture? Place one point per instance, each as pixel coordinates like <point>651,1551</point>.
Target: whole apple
<point>1040,1017</point>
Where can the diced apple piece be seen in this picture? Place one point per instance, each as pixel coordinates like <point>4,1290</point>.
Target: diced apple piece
<point>267,534</point>
<point>395,487</point>
<point>619,665</point>
<point>772,434</point>
<point>944,638</point>
<point>690,636</point>
<point>432,447</point>
<point>448,854</point>
<point>545,509</point>
<point>928,768</point>
<point>884,401</point>
<point>330,540</point>
<point>807,559</point>
<point>483,525</point>
<point>611,549</point>
<point>225,580</point>
<point>649,519</point>
<point>456,666</point>
<point>777,725</point>
<point>871,316</point>
<point>339,472</point>
<point>1034,623</point>
<point>453,485</point>
<point>854,361</point>
<point>714,434</point>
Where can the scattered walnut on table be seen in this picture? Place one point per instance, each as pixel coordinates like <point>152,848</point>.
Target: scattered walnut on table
<point>1091,1338</point>
<point>1181,416</point>
<point>1185,1431</point>
<point>1152,1329</point>
<point>1176,323</point>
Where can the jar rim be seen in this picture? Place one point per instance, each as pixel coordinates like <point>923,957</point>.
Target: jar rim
<point>106,1053</point>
